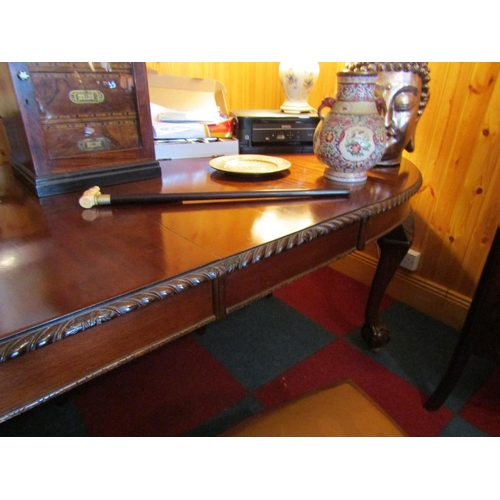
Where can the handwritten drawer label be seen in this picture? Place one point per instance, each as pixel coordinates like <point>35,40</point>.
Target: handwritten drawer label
<point>86,96</point>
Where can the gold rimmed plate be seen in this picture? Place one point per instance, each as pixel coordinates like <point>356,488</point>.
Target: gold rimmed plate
<point>250,164</point>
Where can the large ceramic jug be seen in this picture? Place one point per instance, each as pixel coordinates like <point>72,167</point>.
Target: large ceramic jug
<point>351,138</point>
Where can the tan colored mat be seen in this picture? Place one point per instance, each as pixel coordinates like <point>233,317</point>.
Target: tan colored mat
<point>342,411</point>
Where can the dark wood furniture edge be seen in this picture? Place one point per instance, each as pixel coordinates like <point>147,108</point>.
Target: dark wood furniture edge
<point>53,331</point>
<point>105,176</point>
<point>40,336</point>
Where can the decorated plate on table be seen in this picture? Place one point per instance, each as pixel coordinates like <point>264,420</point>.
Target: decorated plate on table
<point>250,164</point>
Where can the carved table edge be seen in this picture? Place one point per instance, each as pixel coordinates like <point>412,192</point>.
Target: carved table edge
<point>100,371</point>
<point>48,333</point>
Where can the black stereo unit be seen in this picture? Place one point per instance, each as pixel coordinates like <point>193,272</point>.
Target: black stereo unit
<point>265,131</point>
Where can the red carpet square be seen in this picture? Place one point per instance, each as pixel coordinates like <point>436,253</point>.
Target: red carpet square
<point>164,393</point>
<point>331,299</point>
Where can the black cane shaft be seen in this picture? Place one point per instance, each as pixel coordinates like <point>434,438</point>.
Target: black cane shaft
<point>225,195</point>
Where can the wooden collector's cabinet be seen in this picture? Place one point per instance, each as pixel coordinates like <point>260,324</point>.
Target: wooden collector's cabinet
<point>74,125</point>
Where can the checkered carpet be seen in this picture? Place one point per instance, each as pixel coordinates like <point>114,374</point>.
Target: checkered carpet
<point>304,337</point>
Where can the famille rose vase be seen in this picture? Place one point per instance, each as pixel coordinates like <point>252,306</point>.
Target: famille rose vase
<point>351,138</point>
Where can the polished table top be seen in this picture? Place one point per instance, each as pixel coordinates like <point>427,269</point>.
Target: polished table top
<point>85,290</point>
<point>57,258</point>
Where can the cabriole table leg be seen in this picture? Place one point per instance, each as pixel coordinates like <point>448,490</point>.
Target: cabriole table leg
<point>393,248</point>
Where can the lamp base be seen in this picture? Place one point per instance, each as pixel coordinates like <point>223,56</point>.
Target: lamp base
<point>296,107</point>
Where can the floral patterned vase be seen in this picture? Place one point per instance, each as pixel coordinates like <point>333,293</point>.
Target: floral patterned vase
<point>298,80</point>
<point>351,138</point>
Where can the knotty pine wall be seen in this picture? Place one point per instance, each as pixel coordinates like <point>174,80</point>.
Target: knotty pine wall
<point>458,152</point>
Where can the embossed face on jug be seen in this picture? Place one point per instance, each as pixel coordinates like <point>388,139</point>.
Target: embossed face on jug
<point>405,90</point>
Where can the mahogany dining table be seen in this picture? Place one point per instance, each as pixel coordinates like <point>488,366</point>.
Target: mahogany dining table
<point>83,291</point>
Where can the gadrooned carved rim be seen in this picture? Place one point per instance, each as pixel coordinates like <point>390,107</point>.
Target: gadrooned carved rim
<point>41,336</point>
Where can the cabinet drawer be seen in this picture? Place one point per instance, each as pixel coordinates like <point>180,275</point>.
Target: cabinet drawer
<point>80,93</point>
<point>73,139</point>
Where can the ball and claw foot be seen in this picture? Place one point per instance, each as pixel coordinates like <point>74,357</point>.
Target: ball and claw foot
<point>375,335</point>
